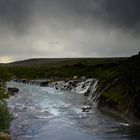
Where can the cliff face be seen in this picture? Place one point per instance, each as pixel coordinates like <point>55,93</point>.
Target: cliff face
<point>122,95</point>
<point>117,100</point>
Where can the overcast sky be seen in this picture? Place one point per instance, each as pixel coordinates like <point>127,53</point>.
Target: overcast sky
<point>68,28</point>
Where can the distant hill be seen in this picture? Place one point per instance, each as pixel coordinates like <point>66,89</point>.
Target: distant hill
<point>63,61</point>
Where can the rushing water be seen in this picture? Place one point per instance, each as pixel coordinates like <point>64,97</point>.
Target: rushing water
<point>42,113</point>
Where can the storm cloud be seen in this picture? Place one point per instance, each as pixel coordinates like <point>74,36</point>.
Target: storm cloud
<point>68,28</point>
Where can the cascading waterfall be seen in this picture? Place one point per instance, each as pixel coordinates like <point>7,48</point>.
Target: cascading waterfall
<point>86,87</point>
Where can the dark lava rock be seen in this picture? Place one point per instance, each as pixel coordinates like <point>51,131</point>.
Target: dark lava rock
<point>12,90</point>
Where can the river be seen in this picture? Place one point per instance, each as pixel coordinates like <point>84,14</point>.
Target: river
<point>43,113</point>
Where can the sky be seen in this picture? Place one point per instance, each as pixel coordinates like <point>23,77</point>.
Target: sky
<point>68,28</point>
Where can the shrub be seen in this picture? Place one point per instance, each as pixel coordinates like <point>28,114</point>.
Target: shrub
<point>5,116</point>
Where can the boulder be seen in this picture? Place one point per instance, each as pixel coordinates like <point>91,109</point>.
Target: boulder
<point>86,108</point>
<point>4,136</point>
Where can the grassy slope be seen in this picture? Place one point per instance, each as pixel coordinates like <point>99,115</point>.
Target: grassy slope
<point>57,62</point>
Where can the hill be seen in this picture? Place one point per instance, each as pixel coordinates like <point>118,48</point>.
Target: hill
<point>55,62</point>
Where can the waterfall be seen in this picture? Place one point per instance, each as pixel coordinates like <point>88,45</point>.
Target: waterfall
<point>86,86</point>
<point>33,82</point>
<point>94,94</point>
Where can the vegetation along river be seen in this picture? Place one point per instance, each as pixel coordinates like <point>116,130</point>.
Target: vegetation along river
<point>43,113</point>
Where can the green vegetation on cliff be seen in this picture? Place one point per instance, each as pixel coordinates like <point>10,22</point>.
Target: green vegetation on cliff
<point>88,67</point>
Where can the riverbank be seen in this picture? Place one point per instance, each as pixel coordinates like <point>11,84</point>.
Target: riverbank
<point>89,88</point>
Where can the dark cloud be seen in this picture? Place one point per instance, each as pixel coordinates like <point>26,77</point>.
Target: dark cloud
<point>123,13</point>
<point>80,28</point>
<point>16,14</point>
<point>118,13</point>
<point>111,13</point>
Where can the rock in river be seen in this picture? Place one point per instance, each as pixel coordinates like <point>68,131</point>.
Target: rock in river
<point>12,90</point>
